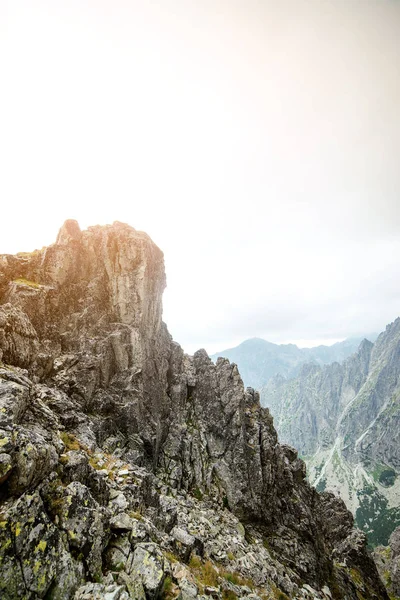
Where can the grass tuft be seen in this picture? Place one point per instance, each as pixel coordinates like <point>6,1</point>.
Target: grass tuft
<point>167,592</point>
<point>32,284</point>
<point>70,441</point>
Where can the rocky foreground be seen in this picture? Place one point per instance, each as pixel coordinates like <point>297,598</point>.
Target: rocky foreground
<point>387,559</point>
<point>131,470</point>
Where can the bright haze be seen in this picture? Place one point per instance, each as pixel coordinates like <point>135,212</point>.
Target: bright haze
<point>257,142</point>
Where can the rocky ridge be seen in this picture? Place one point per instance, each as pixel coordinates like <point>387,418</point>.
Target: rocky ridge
<point>344,419</point>
<point>131,470</point>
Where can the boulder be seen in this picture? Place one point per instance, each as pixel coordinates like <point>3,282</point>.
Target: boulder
<point>147,565</point>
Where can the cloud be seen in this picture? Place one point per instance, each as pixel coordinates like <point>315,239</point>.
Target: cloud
<point>256,142</point>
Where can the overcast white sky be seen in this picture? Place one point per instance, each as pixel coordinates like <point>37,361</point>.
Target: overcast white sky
<point>257,142</point>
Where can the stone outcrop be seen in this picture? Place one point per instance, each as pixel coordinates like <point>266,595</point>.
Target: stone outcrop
<point>131,470</point>
<point>388,562</point>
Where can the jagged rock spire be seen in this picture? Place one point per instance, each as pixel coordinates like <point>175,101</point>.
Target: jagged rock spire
<point>69,231</point>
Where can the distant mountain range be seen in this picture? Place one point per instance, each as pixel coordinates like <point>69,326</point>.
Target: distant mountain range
<point>345,422</point>
<point>259,360</point>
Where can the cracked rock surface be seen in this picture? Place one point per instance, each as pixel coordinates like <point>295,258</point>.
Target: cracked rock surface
<point>131,470</point>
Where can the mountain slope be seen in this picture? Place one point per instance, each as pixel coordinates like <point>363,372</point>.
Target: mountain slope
<point>131,470</point>
<point>259,360</point>
<point>388,562</point>
<point>344,420</point>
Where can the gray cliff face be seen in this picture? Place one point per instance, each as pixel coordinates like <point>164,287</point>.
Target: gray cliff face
<point>306,409</point>
<point>344,419</point>
<point>131,470</point>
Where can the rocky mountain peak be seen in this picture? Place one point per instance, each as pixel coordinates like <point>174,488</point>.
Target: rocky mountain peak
<point>70,231</point>
<point>127,466</point>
